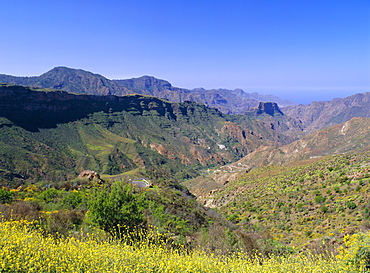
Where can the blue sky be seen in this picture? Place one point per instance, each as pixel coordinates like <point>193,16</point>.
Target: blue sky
<point>301,50</point>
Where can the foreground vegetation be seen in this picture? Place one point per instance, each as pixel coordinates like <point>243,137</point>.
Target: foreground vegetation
<point>83,206</point>
<point>26,249</point>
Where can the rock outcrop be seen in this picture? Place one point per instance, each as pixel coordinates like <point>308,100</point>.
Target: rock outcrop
<point>265,108</point>
<point>91,175</point>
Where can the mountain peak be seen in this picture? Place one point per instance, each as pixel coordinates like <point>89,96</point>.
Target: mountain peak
<point>63,70</point>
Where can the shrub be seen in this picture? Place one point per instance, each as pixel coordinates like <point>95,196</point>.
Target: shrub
<point>324,209</point>
<point>319,199</point>
<point>115,207</point>
<point>49,195</point>
<point>5,196</point>
<point>337,189</point>
<point>73,200</point>
<point>351,205</point>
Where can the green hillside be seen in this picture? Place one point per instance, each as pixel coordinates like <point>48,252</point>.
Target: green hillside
<point>323,199</point>
<point>53,136</point>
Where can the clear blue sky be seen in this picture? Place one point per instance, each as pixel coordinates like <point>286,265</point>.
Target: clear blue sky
<point>302,50</point>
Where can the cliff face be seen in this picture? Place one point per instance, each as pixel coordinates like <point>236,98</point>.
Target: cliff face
<point>352,136</point>
<point>265,108</point>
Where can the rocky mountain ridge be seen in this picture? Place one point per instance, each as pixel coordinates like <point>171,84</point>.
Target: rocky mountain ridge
<point>84,82</point>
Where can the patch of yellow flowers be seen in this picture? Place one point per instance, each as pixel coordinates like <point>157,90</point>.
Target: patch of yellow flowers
<point>23,248</point>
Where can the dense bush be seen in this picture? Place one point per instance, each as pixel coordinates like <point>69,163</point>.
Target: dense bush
<point>5,196</point>
<point>116,206</point>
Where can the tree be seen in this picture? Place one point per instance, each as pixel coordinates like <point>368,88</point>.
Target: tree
<point>116,208</point>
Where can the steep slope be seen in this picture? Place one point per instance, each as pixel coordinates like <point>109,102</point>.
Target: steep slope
<point>313,189</point>
<point>319,115</point>
<point>54,135</point>
<point>84,82</point>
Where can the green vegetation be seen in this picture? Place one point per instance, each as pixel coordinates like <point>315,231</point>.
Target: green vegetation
<point>277,211</point>
<point>116,206</point>
<point>317,201</point>
<point>113,137</point>
<point>119,208</point>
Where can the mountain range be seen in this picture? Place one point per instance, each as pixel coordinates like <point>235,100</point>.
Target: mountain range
<point>322,114</point>
<point>84,82</point>
<point>316,115</point>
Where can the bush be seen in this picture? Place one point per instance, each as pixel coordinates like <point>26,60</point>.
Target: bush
<point>49,195</point>
<point>324,209</point>
<point>351,205</point>
<point>116,206</point>
<point>73,200</point>
<point>59,223</point>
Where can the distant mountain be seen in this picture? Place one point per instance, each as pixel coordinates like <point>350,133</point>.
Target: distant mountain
<point>270,113</point>
<point>322,114</point>
<point>70,80</point>
<point>264,98</point>
<point>84,82</point>
<point>53,135</point>
<point>353,136</point>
